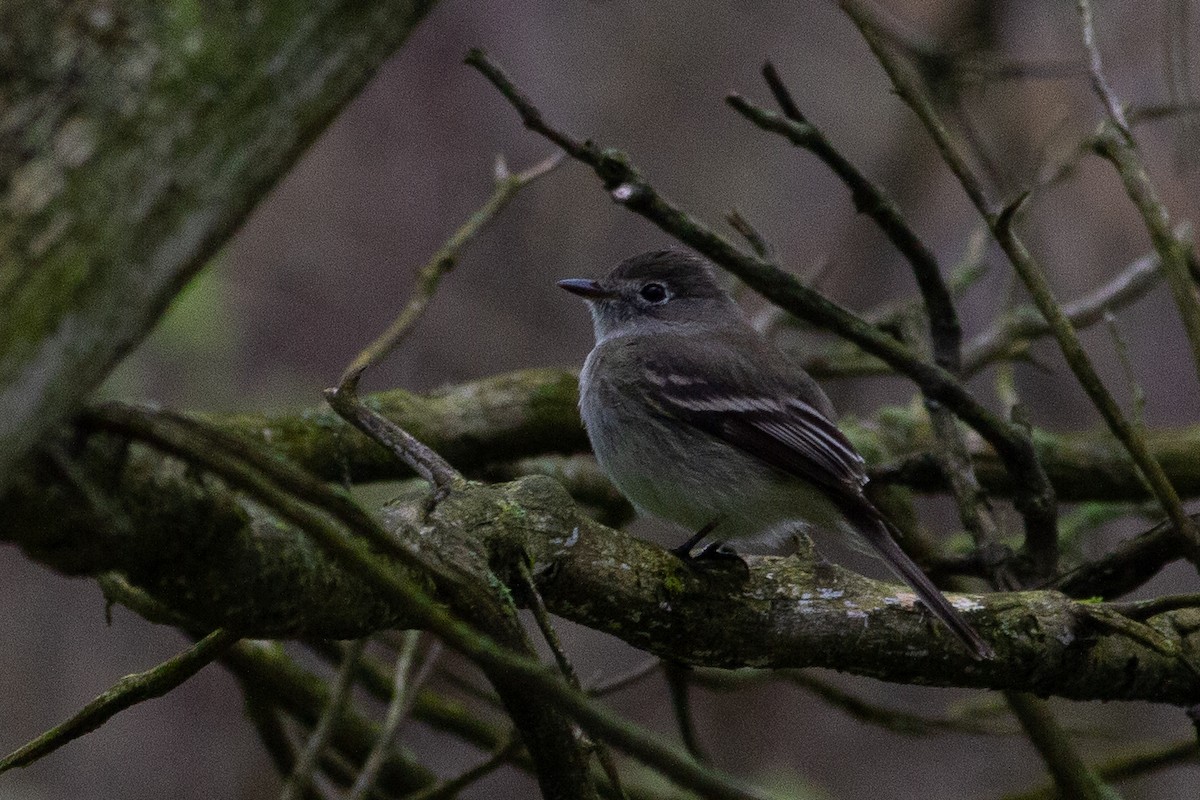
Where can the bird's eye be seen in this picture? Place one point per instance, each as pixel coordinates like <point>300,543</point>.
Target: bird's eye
<point>654,293</point>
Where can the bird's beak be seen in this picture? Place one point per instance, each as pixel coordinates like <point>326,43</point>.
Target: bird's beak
<point>586,288</point>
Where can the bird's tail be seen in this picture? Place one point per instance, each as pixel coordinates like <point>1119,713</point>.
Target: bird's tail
<point>878,532</point>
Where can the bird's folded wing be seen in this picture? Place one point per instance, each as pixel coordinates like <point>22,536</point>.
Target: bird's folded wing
<point>783,431</point>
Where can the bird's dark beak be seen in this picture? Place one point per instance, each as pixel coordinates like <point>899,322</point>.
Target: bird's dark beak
<point>586,288</point>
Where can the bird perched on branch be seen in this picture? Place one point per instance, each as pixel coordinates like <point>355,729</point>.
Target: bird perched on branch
<point>701,421</point>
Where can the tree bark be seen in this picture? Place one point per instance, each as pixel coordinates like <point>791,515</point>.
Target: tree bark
<point>133,140</point>
<point>208,554</point>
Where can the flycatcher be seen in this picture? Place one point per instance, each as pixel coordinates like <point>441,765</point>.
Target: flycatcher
<point>699,420</point>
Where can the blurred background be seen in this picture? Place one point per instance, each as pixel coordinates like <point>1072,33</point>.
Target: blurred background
<point>328,258</point>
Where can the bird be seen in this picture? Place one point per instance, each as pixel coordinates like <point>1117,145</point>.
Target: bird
<point>698,419</point>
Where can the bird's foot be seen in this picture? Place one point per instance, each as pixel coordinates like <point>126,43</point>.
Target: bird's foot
<point>716,557</point>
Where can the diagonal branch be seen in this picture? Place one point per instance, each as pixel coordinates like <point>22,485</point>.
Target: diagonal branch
<point>111,206</point>
<point>869,199</point>
<point>129,691</point>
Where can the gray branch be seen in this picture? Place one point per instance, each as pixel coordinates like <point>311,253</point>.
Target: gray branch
<point>129,154</point>
<point>206,553</point>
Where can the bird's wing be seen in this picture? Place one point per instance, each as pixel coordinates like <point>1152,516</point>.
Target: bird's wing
<point>758,416</point>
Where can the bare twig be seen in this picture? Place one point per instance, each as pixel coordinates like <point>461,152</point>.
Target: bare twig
<point>453,786</point>
<point>1100,86</point>
<point>888,719</point>
<point>542,617</point>
<point>1130,565</point>
<point>267,674</point>
<point>739,223</point>
<point>1144,609</point>
<point>127,692</point>
<point>1175,249</point>
<point>958,471</point>
<point>302,773</point>
<point>422,459</point>
<point>344,398</point>
<point>869,199</point>
<point>1136,392</point>
<point>507,185</point>
<point>1072,775</point>
<point>679,682</point>
<point>1017,327</point>
<point>404,693</point>
<point>627,679</point>
<point>271,733</point>
<point>1149,113</point>
<point>1115,142</point>
<point>1126,765</point>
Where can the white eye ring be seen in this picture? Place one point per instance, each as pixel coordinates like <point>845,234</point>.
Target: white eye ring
<point>654,293</point>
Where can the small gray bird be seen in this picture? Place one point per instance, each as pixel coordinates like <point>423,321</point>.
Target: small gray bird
<point>699,420</point>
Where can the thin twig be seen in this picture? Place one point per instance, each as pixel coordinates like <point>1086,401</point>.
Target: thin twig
<point>269,727</point>
<point>624,681</point>
<point>1145,609</point>
<point>1134,562</point>
<point>889,719</point>
<point>1136,392</point>
<point>542,617</point>
<point>679,682</point>
<point>1126,766</point>
<point>302,773</point>
<point>869,199</point>
<point>423,460</point>
<point>404,693</point>
<point>453,786</point>
<point>125,693</point>
<point>344,398</point>
<point>264,670</point>
<point>1096,70</point>
<point>958,471</point>
<point>1072,775</point>
<point>1115,142</point>
<point>1149,113</point>
<point>746,229</point>
<point>507,185</point>
<point>1017,327</point>
<point>1175,249</point>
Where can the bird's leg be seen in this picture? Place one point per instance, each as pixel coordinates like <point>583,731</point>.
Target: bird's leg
<point>684,551</point>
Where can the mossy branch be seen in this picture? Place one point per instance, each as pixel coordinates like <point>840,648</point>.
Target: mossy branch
<point>131,147</point>
<point>784,613</point>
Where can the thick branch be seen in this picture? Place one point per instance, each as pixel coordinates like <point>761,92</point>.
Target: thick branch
<point>785,613</point>
<point>129,154</point>
<point>498,420</point>
<point>494,420</point>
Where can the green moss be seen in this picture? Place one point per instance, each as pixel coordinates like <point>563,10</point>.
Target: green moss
<point>501,590</point>
<point>673,584</point>
<point>509,512</point>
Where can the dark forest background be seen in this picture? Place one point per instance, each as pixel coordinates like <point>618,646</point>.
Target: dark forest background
<point>328,258</point>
